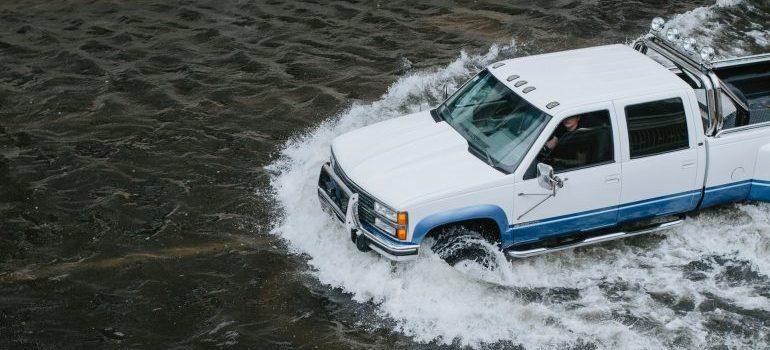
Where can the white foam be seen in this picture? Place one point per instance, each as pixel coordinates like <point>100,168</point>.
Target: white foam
<point>718,27</point>
<point>761,37</point>
<point>473,305</point>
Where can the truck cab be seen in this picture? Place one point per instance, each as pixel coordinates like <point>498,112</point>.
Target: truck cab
<point>555,151</point>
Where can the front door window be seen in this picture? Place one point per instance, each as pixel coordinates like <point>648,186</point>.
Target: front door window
<point>580,141</point>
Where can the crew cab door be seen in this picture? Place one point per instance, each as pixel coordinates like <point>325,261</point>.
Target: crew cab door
<point>661,164</point>
<point>587,162</point>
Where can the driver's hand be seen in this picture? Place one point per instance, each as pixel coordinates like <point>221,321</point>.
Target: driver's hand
<point>551,144</point>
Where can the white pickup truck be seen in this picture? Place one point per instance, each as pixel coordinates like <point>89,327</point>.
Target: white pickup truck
<point>555,151</point>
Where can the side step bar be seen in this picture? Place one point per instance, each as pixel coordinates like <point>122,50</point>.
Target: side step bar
<point>593,240</point>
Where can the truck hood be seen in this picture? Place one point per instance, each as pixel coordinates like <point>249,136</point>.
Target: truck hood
<point>401,160</point>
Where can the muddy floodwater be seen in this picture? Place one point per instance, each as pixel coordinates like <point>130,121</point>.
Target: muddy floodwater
<point>158,162</point>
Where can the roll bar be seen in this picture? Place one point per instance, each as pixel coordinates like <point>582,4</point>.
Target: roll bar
<point>703,70</point>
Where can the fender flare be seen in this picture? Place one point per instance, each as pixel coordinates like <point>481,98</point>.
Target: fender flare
<point>486,211</point>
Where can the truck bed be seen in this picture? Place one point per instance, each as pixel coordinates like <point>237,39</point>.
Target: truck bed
<point>750,83</point>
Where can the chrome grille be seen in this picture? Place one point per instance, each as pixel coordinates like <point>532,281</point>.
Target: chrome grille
<point>365,200</point>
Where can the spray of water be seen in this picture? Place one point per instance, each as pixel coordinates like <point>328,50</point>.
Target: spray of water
<point>715,26</point>
<point>703,284</point>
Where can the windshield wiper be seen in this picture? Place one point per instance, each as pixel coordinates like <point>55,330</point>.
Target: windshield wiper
<point>489,160</point>
<point>479,152</point>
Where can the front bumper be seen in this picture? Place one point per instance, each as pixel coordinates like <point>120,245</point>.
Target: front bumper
<point>342,201</point>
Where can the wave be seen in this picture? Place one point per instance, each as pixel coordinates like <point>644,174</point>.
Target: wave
<point>732,27</point>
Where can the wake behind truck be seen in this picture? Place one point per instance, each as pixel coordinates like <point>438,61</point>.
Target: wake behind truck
<point>550,152</point>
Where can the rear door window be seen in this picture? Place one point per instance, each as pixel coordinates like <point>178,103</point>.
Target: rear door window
<point>656,127</point>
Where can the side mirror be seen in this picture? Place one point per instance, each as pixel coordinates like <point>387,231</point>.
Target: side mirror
<point>546,179</point>
<point>544,174</point>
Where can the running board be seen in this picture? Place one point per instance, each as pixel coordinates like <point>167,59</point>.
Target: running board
<point>593,240</point>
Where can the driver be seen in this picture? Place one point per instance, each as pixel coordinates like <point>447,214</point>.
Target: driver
<point>565,128</point>
<point>557,158</point>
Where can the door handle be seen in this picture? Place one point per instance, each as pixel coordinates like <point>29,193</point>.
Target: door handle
<point>688,164</point>
<point>612,179</point>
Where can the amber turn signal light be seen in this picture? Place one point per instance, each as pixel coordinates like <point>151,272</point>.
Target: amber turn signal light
<point>402,219</point>
<point>401,233</point>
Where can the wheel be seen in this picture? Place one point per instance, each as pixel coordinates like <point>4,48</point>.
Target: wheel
<point>456,244</point>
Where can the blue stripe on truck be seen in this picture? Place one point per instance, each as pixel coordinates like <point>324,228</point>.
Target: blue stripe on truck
<point>666,205</point>
<point>754,190</point>
<point>732,192</point>
<point>760,191</point>
<point>604,217</point>
<point>583,221</point>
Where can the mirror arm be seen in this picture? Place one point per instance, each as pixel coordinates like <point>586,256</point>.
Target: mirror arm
<point>547,180</point>
<point>547,197</point>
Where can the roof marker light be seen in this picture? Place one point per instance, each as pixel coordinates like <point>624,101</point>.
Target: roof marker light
<point>657,24</point>
<point>512,77</point>
<point>520,83</point>
<point>551,105</point>
<point>528,89</point>
<point>498,65</point>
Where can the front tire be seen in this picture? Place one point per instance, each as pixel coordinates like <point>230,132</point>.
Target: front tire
<point>457,244</point>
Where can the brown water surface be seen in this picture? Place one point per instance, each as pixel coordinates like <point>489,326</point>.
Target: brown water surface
<point>134,135</point>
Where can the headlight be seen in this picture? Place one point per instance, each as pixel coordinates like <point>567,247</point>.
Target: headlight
<point>385,226</point>
<point>385,211</point>
<point>396,223</point>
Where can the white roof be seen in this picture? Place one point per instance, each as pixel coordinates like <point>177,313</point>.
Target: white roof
<point>591,75</point>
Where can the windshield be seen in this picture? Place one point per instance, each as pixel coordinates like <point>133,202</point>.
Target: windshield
<point>499,125</point>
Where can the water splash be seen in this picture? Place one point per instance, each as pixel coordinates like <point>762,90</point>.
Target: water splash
<point>732,27</point>
<point>703,284</point>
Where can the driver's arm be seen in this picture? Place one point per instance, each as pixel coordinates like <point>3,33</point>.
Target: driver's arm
<point>552,142</point>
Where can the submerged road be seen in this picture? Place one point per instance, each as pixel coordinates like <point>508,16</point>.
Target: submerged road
<point>157,168</point>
